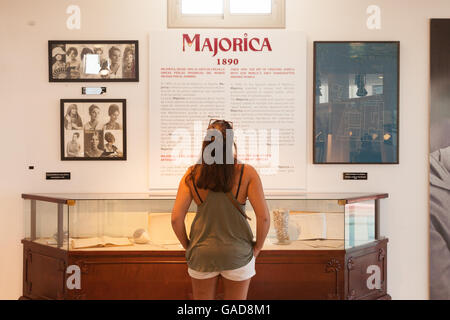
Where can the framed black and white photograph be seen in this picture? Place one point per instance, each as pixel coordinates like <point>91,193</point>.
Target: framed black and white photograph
<point>93,129</point>
<point>93,61</point>
<point>356,102</point>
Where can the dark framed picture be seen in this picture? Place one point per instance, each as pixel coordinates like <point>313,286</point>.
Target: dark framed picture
<point>93,61</point>
<point>93,129</point>
<point>356,102</point>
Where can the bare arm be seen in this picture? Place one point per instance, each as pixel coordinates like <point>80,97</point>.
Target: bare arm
<point>255,194</point>
<point>180,208</point>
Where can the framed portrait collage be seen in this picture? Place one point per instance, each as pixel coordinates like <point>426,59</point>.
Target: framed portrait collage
<point>93,61</point>
<point>93,129</point>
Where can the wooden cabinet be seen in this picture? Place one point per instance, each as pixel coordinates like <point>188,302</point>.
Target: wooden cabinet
<point>334,250</point>
<point>282,274</point>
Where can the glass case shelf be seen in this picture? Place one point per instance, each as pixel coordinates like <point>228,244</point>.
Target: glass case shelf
<point>137,222</point>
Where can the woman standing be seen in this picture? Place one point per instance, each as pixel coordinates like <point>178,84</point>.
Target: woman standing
<point>221,240</point>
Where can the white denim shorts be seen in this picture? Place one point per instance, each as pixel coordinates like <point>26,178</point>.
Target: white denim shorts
<point>239,274</point>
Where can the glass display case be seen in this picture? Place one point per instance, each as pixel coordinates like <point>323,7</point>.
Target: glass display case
<point>140,222</point>
<point>122,246</point>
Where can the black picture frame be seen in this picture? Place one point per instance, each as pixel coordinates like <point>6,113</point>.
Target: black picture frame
<point>388,136</point>
<point>79,132</point>
<point>68,71</point>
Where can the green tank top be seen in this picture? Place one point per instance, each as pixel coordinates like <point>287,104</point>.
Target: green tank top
<point>220,237</point>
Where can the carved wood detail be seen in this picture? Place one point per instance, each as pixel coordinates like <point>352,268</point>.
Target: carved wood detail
<point>352,295</point>
<point>62,266</point>
<point>28,261</point>
<point>84,267</point>
<point>333,266</point>
<point>381,254</point>
<point>350,263</point>
<point>79,296</point>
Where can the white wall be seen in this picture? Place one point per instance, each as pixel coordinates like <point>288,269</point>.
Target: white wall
<point>29,105</point>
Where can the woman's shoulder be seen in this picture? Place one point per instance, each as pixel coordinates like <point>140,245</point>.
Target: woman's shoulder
<point>188,172</point>
<point>248,168</point>
<point>249,171</point>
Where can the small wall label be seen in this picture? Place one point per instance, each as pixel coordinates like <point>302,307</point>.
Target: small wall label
<point>98,90</point>
<point>57,175</point>
<point>355,175</point>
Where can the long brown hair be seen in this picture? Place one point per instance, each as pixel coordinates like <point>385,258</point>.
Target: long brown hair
<point>216,177</point>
